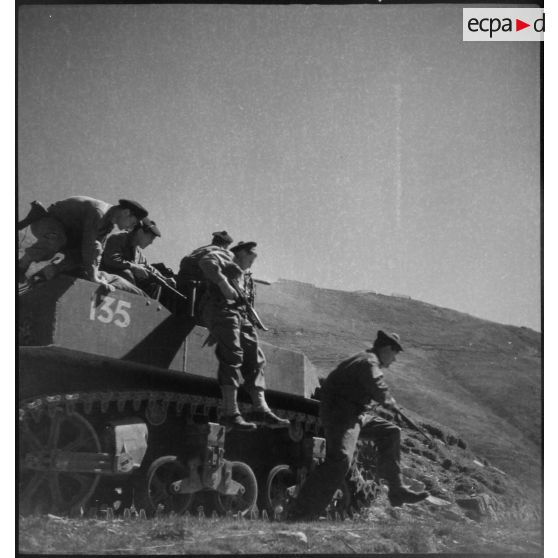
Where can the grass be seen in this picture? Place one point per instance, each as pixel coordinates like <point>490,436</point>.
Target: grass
<point>479,379</point>
<point>380,531</point>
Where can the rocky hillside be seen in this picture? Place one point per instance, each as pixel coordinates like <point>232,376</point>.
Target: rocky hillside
<point>480,380</point>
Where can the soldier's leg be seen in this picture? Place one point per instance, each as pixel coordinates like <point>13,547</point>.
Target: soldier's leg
<point>254,380</point>
<point>387,438</point>
<point>318,490</point>
<point>40,241</point>
<point>224,326</point>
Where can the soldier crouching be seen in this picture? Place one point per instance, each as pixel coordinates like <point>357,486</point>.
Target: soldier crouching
<point>346,394</point>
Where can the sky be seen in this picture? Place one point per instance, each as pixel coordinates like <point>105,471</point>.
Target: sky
<point>364,147</point>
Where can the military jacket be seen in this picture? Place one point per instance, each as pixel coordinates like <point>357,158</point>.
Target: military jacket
<point>357,381</point>
<point>218,264</point>
<point>87,226</point>
<point>189,269</point>
<point>120,253</point>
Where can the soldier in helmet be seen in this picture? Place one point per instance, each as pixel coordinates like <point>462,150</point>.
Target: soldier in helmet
<point>241,359</point>
<point>79,226</point>
<point>346,394</point>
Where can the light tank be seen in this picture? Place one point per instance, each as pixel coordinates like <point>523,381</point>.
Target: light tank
<point>119,408</point>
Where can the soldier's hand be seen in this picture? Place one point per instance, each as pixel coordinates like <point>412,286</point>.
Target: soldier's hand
<point>139,271</point>
<point>107,287</point>
<point>228,292</point>
<point>390,404</point>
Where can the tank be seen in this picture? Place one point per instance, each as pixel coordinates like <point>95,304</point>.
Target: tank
<point>119,409</point>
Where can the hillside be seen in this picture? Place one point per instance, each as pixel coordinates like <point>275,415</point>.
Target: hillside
<point>478,378</point>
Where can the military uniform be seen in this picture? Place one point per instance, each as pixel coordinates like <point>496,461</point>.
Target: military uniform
<point>120,253</point>
<point>347,395</point>
<point>79,227</point>
<point>241,360</point>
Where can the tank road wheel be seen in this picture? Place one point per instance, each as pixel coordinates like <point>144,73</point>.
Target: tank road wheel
<point>160,476</point>
<point>41,487</point>
<point>239,503</point>
<point>276,495</point>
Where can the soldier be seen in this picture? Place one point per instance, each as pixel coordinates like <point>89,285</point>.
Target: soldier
<point>189,269</point>
<point>191,280</point>
<point>123,255</point>
<point>241,359</point>
<point>79,226</point>
<point>346,394</point>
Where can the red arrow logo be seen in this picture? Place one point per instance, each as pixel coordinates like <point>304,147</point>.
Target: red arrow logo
<point>519,25</point>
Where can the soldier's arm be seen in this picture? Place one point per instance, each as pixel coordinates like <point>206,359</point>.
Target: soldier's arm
<point>113,254</point>
<point>375,385</point>
<point>214,273</point>
<point>91,248</point>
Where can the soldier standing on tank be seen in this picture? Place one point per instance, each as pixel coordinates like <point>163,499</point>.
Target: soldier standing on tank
<point>241,359</point>
<point>346,395</point>
<point>189,269</point>
<point>123,255</point>
<point>79,226</point>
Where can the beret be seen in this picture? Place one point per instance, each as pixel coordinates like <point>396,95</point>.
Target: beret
<point>393,339</point>
<point>248,246</point>
<point>223,235</point>
<point>135,208</point>
<point>147,225</point>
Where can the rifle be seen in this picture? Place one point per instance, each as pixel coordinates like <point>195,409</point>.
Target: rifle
<point>414,425</point>
<point>250,310</point>
<point>161,280</point>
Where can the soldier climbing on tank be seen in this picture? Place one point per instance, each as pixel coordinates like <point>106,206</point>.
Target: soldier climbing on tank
<point>123,255</point>
<point>346,395</point>
<point>78,227</point>
<point>227,316</point>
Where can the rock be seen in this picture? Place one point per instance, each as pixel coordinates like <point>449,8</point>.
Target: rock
<point>447,463</point>
<point>439,502</point>
<point>413,484</point>
<point>298,536</point>
<point>461,444</point>
<point>476,462</point>
<point>453,513</point>
<point>477,506</point>
<point>451,439</point>
<point>429,455</point>
<point>498,470</point>
<point>408,472</point>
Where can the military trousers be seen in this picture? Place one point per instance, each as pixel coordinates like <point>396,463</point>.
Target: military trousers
<point>41,241</point>
<point>343,426</point>
<point>125,280</point>
<point>241,359</point>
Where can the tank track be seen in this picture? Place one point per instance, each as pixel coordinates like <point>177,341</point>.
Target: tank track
<point>156,403</point>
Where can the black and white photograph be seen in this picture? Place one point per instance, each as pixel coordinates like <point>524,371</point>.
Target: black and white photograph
<point>279,278</point>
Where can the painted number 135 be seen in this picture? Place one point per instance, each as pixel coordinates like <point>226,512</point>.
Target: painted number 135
<point>105,313</point>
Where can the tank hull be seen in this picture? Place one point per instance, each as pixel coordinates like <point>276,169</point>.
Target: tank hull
<point>112,387</point>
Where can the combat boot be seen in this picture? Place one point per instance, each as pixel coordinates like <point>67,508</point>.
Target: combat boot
<point>237,422</point>
<point>400,495</point>
<point>268,419</point>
